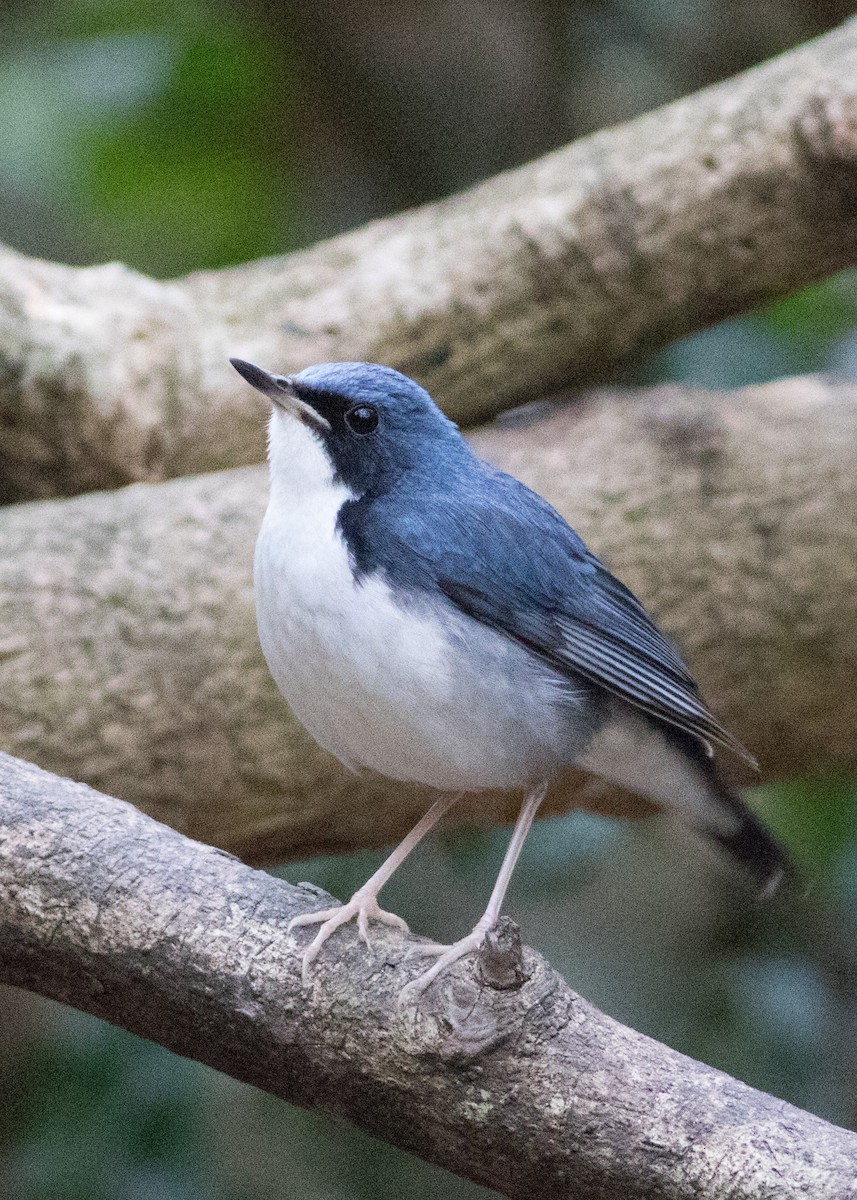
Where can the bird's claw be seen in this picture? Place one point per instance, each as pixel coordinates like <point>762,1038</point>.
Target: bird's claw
<point>446,956</point>
<point>362,905</point>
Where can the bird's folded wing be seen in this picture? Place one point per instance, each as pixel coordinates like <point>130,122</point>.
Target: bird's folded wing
<point>528,575</point>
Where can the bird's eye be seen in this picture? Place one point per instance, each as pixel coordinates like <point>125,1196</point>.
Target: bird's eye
<point>362,418</point>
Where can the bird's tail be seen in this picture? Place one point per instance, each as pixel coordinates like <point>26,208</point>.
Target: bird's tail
<point>672,769</point>
<point>744,838</point>
<point>757,850</point>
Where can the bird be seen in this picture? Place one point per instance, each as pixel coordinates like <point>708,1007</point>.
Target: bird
<point>431,618</point>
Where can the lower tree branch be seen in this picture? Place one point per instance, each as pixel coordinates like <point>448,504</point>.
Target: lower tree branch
<point>529,1090</point>
<point>129,656</point>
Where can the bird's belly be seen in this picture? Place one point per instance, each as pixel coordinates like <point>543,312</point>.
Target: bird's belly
<point>412,691</point>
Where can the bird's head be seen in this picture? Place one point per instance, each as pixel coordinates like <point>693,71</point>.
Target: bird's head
<point>372,422</point>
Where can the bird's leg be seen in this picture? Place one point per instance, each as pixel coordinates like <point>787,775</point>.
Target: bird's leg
<point>364,903</point>
<point>450,954</point>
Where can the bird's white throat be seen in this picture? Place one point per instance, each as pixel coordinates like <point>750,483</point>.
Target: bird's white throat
<point>300,466</point>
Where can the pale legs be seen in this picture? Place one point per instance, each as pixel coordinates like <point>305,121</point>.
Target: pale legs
<point>364,903</point>
<point>450,954</point>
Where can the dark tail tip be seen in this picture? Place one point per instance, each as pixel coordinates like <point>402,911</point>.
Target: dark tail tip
<point>748,843</point>
<point>757,851</point>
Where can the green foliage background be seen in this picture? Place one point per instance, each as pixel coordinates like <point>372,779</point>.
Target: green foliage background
<point>183,135</point>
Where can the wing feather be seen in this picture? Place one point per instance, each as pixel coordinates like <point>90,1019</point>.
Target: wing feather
<point>504,556</point>
<point>570,610</point>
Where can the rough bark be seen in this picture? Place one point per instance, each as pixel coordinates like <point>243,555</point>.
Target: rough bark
<point>546,275</point>
<point>129,655</point>
<point>529,1090</point>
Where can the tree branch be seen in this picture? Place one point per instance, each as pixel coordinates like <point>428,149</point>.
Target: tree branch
<point>531,1090</point>
<point>129,656</point>
<point>543,276</point>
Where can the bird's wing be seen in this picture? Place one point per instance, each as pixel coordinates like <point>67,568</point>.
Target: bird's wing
<point>509,560</point>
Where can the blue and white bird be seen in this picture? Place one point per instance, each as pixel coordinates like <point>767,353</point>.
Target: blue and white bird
<point>431,618</point>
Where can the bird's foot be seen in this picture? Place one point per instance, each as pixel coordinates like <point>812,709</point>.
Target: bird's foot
<point>363,905</point>
<point>446,956</point>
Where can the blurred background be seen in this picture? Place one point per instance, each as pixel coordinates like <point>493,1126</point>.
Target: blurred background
<point>177,135</point>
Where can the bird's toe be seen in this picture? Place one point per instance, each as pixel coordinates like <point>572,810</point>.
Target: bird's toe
<point>313,918</point>
<point>362,905</point>
<point>446,956</point>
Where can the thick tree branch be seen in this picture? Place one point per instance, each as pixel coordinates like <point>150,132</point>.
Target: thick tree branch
<point>129,655</point>
<point>546,275</point>
<point>531,1091</point>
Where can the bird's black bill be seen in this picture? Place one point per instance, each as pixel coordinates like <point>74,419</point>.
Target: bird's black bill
<point>279,390</point>
<point>261,380</point>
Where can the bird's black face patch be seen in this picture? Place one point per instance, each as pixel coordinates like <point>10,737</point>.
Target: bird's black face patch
<point>327,404</point>
<point>379,429</point>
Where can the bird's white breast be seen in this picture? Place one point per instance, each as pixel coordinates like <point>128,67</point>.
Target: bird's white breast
<point>412,690</point>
